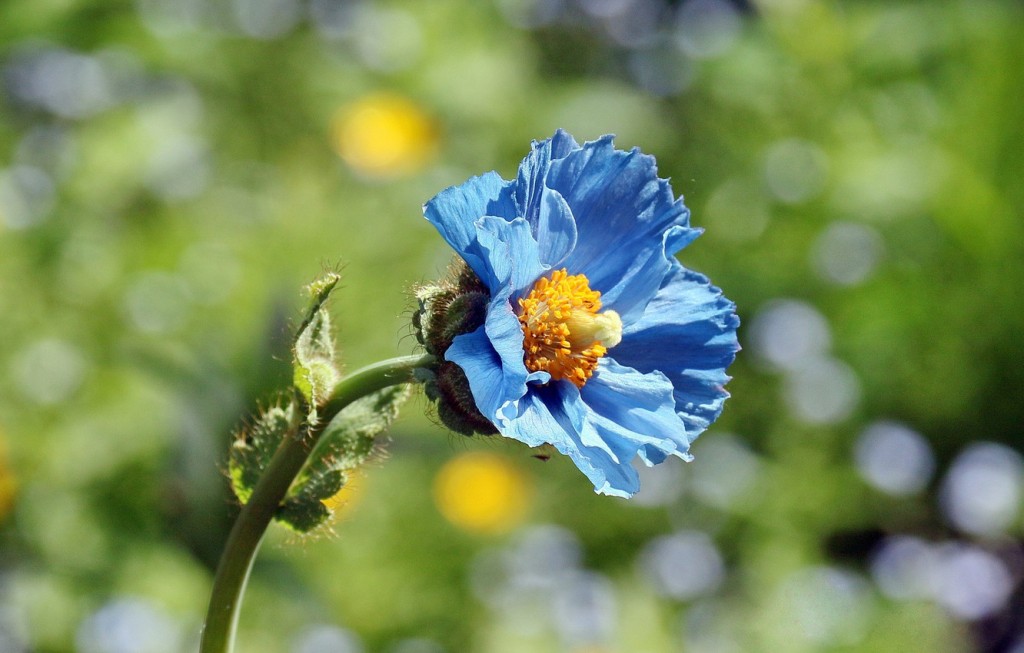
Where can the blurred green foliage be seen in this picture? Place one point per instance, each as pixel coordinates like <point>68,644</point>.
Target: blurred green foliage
<point>170,177</point>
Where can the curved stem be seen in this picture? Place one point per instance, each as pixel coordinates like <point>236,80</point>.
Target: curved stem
<point>247,533</point>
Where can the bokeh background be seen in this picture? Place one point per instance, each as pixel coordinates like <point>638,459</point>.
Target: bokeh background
<point>172,172</point>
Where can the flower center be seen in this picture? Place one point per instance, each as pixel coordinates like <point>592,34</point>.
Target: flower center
<point>564,335</point>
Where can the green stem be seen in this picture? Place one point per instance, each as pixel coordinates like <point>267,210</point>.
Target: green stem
<point>247,533</point>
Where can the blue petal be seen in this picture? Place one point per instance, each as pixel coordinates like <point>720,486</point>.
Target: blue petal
<point>555,414</point>
<point>634,413</point>
<point>545,415</point>
<point>688,332</point>
<point>622,212</point>
<point>508,255</point>
<point>534,169</point>
<point>455,210</point>
<point>678,237</point>
<point>488,381</point>
<point>492,358</point>
<point>492,355</point>
<point>544,209</point>
<point>555,228</point>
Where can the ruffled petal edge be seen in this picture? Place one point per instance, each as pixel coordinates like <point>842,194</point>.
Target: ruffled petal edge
<point>688,332</point>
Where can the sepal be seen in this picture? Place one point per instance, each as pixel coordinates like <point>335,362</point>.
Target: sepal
<point>450,308</point>
<point>455,405</point>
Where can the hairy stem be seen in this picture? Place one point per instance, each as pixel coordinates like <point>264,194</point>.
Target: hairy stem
<point>247,533</point>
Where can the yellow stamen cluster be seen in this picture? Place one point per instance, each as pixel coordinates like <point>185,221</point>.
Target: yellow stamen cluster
<point>564,335</point>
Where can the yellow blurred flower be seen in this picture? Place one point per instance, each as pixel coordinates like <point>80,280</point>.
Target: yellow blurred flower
<point>384,135</point>
<point>482,493</point>
<point>344,501</point>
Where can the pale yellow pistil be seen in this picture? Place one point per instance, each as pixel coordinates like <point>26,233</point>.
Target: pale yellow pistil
<point>564,334</point>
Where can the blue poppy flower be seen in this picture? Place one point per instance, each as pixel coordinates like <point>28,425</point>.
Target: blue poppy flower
<point>596,339</point>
